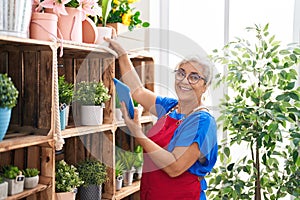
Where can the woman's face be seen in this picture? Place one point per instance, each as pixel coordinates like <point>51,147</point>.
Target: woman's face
<point>184,89</point>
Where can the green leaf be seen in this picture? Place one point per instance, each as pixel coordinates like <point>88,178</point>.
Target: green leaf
<point>106,7</point>
<point>227,151</point>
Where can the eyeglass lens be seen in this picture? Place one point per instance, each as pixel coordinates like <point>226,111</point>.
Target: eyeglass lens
<point>192,78</point>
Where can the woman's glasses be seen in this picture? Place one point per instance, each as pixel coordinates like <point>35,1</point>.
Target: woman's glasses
<point>192,78</point>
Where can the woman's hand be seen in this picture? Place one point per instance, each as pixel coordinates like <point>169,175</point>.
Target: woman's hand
<point>134,124</point>
<point>114,45</point>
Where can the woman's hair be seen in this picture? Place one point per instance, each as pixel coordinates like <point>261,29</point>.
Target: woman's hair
<point>203,64</point>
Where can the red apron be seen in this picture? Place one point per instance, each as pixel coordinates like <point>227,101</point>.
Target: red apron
<point>155,183</point>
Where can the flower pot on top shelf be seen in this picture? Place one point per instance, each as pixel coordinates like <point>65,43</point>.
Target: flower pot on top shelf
<point>43,26</point>
<point>15,18</point>
<point>69,27</point>
<point>103,32</point>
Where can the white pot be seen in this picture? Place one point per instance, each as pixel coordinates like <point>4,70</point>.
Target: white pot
<point>118,114</point>
<point>31,182</point>
<point>119,181</point>
<point>128,177</point>
<point>139,171</point>
<point>3,190</point>
<point>15,186</point>
<point>91,115</point>
<point>103,32</point>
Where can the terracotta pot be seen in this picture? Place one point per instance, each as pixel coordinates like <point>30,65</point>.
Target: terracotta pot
<point>89,31</point>
<point>43,26</point>
<point>65,196</point>
<point>69,27</point>
<point>103,32</point>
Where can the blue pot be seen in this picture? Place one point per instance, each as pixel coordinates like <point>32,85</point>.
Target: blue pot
<point>62,115</point>
<point>5,114</point>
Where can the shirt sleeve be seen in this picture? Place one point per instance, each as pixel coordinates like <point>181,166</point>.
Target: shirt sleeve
<point>163,105</point>
<point>200,127</point>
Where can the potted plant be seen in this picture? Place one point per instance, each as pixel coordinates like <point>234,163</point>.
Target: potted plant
<point>31,177</point>
<point>67,181</point>
<point>91,96</point>
<point>104,31</point>
<point>65,94</point>
<point>3,188</point>
<point>70,16</point>
<point>138,164</point>
<point>8,100</point>
<point>128,159</point>
<point>261,116</point>
<point>119,174</point>
<point>123,16</point>
<point>94,174</point>
<point>15,179</point>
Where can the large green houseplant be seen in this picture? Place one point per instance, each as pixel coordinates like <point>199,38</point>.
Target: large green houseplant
<point>8,100</point>
<point>91,96</point>
<point>260,114</point>
<point>94,174</point>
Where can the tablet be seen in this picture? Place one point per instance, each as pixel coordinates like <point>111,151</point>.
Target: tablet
<point>123,92</point>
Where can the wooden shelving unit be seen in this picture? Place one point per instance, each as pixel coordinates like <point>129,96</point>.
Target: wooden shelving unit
<point>30,141</point>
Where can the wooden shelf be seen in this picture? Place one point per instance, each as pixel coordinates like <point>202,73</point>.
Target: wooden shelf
<point>25,141</point>
<point>27,192</point>
<point>143,120</point>
<point>84,130</point>
<point>124,192</point>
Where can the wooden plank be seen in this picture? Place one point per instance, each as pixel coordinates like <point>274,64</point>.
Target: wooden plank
<point>6,158</point>
<point>96,146</point>
<point>70,149</point>
<point>149,75</point>
<point>27,192</point>
<point>94,69</point>
<point>15,143</point>
<point>108,74</point>
<point>45,90</point>
<point>15,72</point>
<point>109,160</point>
<point>33,157</point>
<point>30,91</point>
<point>19,158</point>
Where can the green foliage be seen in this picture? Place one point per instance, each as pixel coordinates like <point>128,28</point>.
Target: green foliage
<point>91,93</point>
<point>119,168</point>
<point>92,172</point>
<point>65,91</point>
<point>66,177</point>
<point>8,92</point>
<point>30,172</point>
<point>1,179</point>
<point>106,8</point>
<point>261,117</point>
<point>121,11</point>
<point>11,172</point>
<point>127,158</point>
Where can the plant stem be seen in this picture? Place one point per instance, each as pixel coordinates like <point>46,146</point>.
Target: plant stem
<point>257,182</point>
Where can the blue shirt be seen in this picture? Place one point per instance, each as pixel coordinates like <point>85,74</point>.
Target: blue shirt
<point>199,127</point>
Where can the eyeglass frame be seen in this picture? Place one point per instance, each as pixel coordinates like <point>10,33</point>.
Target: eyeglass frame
<point>176,71</point>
